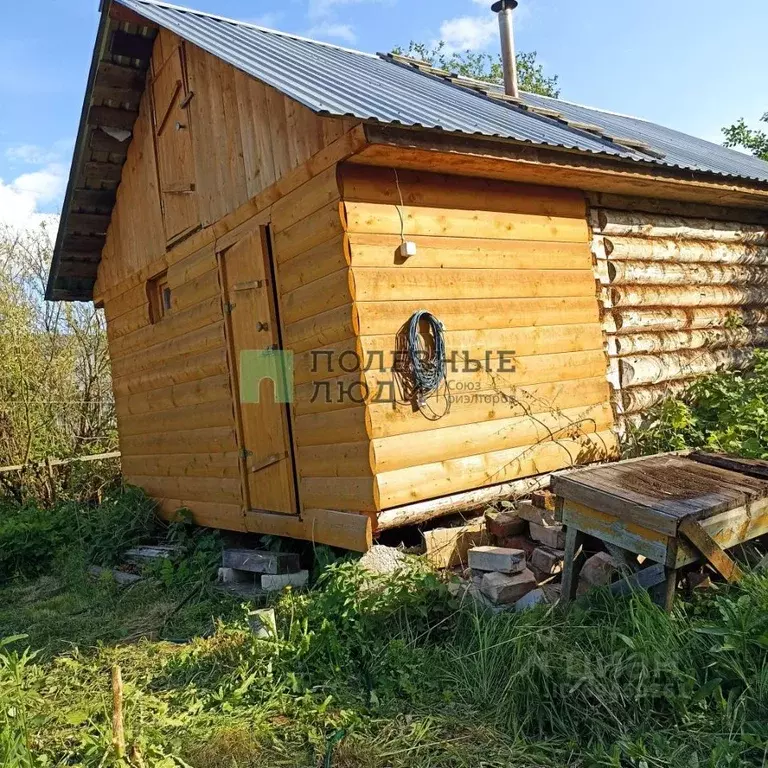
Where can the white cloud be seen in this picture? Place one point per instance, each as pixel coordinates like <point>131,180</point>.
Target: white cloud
<point>270,20</point>
<point>22,198</point>
<point>30,154</point>
<point>468,33</point>
<point>330,29</point>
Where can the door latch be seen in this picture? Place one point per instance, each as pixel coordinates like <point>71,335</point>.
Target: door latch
<point>262,326</point>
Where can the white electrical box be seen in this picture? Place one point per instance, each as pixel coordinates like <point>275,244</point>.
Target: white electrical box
<point>407,249</point>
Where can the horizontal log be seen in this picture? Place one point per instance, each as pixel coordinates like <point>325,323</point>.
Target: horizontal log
<point>116,95</point>
<point>335,460</point>
<point>626,224</point>
<point>384,419</point>
<point>689,296</point>
<point>224,465</point>
<point>670,319</point>
<point>642,399</point>
<point>654,273</point>
<point>395,284</point>
<point>345,426</point>
<point>173,326</point>
<point>402,451</point>
<point>413,484</point>
<point>201,366</point>
<point>342,493</point>
<point>420,220</point>
<point>197,441</point>
<point>320,526</point>
<point>103,142</point>
<point>188,294</point>
<point>681,251</point>
<point>85,243</point>
<point>673,341</point>
<point>641,370</point>
<point>129,322</point>
<point>322,260</point>
<point>319,227</point>
<point>318,297</point>
<point>228,517</point>
<point>178,396</point>
<point>389,317</point>
<point>206,489</point>
<point>319,331</point>
<point>467,253</point>
<point>206,339</point>
<point>417,188</point>
<point>466,501</point>
<point>319,192</point>
<point>215,414</point>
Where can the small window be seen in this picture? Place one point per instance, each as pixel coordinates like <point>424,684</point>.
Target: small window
<point>160,297</point>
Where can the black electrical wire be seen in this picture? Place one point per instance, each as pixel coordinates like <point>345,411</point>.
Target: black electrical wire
<point>426,363</point>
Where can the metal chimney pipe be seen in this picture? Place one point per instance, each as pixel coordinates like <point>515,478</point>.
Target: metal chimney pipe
<point>504,8</point>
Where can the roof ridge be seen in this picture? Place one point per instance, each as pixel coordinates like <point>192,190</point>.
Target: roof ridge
<point>250,25</point>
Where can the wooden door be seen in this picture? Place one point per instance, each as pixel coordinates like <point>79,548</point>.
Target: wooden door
<point>252,324</point>
<point>173,143</point>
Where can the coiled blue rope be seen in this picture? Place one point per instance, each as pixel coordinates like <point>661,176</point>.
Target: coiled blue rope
<point>427,366</point>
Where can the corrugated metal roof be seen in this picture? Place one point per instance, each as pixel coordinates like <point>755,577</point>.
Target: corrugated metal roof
<point>338,81</point>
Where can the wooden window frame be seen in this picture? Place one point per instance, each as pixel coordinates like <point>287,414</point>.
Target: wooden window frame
<point>160,297</point>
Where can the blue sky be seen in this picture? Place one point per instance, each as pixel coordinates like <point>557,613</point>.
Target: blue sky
<point>694,65</point>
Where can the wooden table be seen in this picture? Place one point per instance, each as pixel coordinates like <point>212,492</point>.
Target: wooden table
<point>674,509</point>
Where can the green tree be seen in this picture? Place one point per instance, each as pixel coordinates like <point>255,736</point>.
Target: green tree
<point>485,66</point>
<point>741,135</point>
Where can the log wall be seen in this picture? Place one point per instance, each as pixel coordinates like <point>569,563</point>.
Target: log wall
<point>173,396</point>
<point>683,293</point>
<point>507,269</point>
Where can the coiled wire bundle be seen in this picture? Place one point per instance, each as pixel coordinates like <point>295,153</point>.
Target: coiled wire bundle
<point>426,364</point>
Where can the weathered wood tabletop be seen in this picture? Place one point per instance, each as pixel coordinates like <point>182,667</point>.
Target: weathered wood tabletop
<point>671,508</point>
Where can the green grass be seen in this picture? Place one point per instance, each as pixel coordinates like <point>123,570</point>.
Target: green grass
<point>370,672</point>
<point>390,673</point>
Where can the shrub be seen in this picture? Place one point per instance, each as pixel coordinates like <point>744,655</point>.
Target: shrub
<point>727,411</point>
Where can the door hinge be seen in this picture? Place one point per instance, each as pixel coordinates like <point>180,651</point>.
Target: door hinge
<point>262,326</point>
<point>269,461</point>
<point>228,307</point>
<point>245,453</point>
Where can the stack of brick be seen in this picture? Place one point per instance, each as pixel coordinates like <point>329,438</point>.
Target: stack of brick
<point>501,575</point>
<point>261,570</point>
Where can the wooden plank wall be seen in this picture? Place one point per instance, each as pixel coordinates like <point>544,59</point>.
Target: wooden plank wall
<point>504,267</point>
<point>245,137</point>
<point>318,315</point>
<point>172,392</point>
<point>683,293</point>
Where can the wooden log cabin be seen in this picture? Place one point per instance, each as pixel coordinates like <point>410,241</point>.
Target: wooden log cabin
<point>237,189</point>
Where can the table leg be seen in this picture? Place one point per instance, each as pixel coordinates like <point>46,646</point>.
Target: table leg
<point>664,594</point>
<point>573,540</point>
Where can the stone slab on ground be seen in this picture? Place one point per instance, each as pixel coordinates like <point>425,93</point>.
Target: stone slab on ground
<point>262,623</point>
<point>504,524</point>
<point>531,600</point>
<point>150,552</point>
<point>499,559</point>
<point>381,559</point>
<point>502,588</point>
<point>598,571</point>
<point>277,582</point>
<point>121,577</point>
<point>552,536</point>
<point>260,561</point>
<point>533,514</point>
<point>548,561</point>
